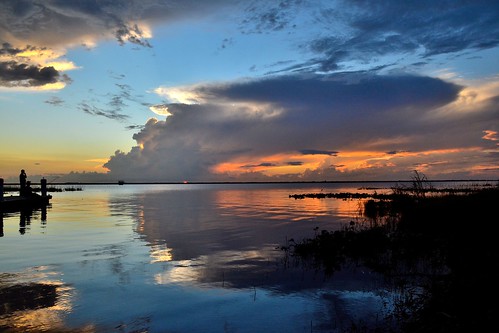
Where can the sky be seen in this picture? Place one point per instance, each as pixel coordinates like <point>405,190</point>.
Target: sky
<point>226,90</point>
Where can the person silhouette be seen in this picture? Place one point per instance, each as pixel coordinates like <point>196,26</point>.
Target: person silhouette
<point>22,181</point>
<point>28,191</point>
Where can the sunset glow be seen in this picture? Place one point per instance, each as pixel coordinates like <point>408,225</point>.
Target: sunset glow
<point>315,93</point>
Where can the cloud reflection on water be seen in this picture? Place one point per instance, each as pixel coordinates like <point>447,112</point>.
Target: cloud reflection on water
<point>34,300</point>
<point>151,259</point>
<point>231,237</point>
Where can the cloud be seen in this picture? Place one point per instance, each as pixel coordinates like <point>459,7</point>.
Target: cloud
<point>491,135</point>
<point>318,152</point>
<point>14,74</point>
<point>36,35</point>
<point>160,110</point>
<point>55,101</point>
<point>346,125</point>
<point>263,164</point>
<point>20,67</point>
<point>132,34</point>
<point>343,105</point>
<point>61,23</point>
<point>364,32</point>
<point>93,110</point>
<point>333,36</point>
<point>115,105</point>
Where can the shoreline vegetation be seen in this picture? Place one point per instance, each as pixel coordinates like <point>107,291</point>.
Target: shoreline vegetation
<point>436,248</point>
<point>15,188</point>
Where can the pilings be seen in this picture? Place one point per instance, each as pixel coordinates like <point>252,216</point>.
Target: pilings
<point>43,183</point>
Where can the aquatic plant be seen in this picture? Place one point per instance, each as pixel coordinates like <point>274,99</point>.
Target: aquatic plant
<point>438,251</point>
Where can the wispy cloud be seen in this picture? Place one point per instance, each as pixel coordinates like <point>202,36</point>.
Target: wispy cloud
<point>362,32</point>
<point>107,113</point>
<point>55,101</point>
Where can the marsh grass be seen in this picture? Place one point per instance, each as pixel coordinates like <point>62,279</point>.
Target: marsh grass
<point>440,252</point>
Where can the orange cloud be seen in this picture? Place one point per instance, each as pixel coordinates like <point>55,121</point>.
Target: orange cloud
<point>270,165</point>
<point>491,135</point>
<point>349,161</point>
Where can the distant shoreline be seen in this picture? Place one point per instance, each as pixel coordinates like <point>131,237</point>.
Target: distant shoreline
<point>264,182</point>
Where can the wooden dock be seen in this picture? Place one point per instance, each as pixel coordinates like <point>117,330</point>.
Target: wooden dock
<point>16,202</point>
<point>19,202</point>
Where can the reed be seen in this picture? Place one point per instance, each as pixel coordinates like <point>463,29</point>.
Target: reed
<point>439,251</point>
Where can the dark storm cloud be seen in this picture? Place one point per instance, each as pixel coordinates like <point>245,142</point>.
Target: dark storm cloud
<point>311,114</point>
<point>8,49</point>
<point>24,75</point>
<point>356,94</point>
<point>16,71</point>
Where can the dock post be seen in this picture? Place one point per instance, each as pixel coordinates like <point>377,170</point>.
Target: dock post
<point>43,182</point>
<point>1,189</point>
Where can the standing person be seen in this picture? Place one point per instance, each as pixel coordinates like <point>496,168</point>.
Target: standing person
<point>22,181</point>
<point>28,191</point>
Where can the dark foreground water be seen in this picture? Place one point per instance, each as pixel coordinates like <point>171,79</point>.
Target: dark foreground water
<point>180,258</point>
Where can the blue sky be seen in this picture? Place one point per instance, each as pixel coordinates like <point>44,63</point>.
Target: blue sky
<point>161,90</point>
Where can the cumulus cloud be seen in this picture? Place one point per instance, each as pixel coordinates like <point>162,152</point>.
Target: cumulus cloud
<point>160,110</point>
<point>348,124</point>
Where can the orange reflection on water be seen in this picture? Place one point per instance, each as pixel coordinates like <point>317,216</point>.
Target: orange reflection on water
<point>160,253</point>
<point>35,301</point>
<point>223,267</point>
<point>258,203</point>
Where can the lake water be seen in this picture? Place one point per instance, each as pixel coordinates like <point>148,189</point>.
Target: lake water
<point>180,258</point>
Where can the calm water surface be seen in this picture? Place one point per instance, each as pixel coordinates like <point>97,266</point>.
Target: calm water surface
<point>178,258</point>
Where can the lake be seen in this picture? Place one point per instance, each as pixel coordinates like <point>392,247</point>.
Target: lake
<point>181,258</point>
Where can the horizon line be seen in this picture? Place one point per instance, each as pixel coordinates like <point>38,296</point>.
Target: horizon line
<point>119,182</point>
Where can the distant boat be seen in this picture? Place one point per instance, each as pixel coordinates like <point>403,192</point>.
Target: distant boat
<point>121,182</point>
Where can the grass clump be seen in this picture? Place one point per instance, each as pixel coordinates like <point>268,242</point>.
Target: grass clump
<point>440,250</point>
